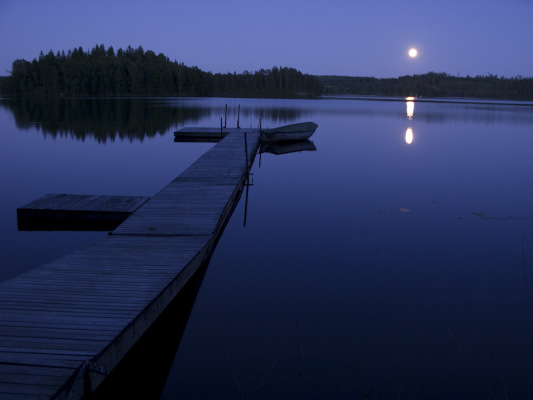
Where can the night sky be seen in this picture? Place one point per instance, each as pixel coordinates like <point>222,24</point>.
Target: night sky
<point>330,37</point>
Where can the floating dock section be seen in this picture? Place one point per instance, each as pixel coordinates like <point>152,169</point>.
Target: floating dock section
<point>65,325</point>
<point>77,212</point>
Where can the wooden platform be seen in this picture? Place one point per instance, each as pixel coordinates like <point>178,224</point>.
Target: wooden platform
<point>66,324</point>
<point>197,134</point>
<point>77,212</point>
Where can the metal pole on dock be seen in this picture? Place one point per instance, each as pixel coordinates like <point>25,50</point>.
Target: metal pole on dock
<point>246,150</point>
<point>238,116</point>
<point>225,116</point>
<point>220,124</point>
<point>247,177</point>
<point>260,149</point>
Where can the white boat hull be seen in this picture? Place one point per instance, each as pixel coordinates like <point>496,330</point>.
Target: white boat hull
<point>293,132</point>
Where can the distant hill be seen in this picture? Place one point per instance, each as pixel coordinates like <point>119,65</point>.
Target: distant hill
<point>431,84</point>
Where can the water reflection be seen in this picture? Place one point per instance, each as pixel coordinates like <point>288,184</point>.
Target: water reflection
<point>274,114</point>
<point>131,119</point>
<point>410,106</point>
<point>435,111</point>
<point>412,302</point>
<point>144,370</point>
<point>101,119</point>
<point>279,148</point>
<point>409,135</point>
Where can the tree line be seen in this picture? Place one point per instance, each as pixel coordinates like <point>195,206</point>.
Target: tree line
<point>432,84</point>
<point>102,72</point>
<point>135,72</point>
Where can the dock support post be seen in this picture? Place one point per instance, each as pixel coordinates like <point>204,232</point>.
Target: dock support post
<point>247,183</point>
<point>246,151</point>
<point>220,124</point>
<point>238,116</point>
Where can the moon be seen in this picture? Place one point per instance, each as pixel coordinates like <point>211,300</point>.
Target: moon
<point>413,52</point>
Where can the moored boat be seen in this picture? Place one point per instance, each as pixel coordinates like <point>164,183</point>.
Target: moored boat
<point>300,131</point>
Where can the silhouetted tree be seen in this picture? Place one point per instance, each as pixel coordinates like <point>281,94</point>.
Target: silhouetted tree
<point>135,72</point>
<point>432,84</point>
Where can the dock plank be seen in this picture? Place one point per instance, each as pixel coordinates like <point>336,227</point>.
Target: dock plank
<point>200,134</point>
<point>16,391</point>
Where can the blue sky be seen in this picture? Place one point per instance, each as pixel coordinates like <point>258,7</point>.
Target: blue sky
<point>331,37</point>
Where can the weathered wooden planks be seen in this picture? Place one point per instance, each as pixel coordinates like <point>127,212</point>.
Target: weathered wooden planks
<point>199,131</point>
<point>196,134</point>
<point>77,212</point>
<point>82,202</point>
<point>66,324</point>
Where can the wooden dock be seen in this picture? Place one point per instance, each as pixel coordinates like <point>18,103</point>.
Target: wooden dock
<point>77,212</point>
<point>65,325</point>
<point>208,134</point>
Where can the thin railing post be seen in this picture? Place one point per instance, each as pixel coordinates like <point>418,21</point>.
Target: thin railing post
<point>247,183</point>
<point>246,151</point>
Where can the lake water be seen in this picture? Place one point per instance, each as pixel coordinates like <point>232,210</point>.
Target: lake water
<point>394,261</point>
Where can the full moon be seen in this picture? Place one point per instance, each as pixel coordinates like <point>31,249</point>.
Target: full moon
<point>413,53</point>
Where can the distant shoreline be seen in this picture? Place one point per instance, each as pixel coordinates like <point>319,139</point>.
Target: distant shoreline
<point>448,100</point>
<point>453,100</point>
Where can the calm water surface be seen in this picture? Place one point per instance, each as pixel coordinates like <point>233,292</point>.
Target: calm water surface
<point>395,261</point>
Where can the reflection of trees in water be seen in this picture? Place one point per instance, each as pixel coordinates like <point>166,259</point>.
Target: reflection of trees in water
<point>278,114</point>
<point>128,119</point>
<point>274,114</point>
<point>138,118</point>
<point>103,119</point>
